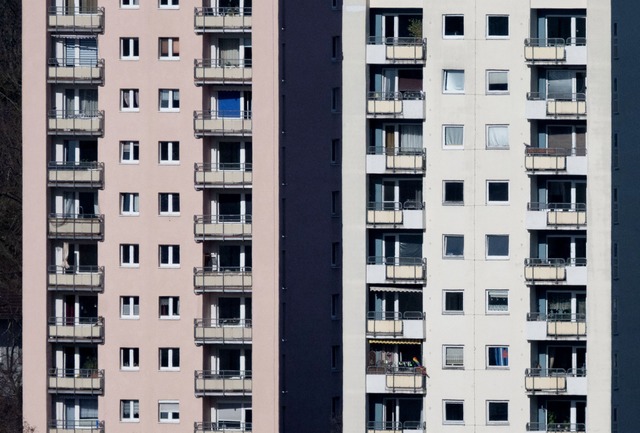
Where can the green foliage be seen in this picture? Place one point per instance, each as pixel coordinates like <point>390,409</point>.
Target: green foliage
<point>415,27</point>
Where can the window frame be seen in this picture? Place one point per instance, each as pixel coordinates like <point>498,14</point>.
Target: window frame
<point>134,250</point>
<point>132,302</point>
<point>488,415</point>
<point>134,204</point>
<point>447,365</point>
<point>497,202</point>
<point>133,46</point>
<point>172,150</point>
<point>132,410</point>
<point>445,238</point>
<point>169,4</point>
<point>170,359</point>
<point>173,98</point>
<point>134,95</point>
<point>444,137</point>
<point>498,367</point>
<point>134,151</point>
<point>487,247</point>
<point>445,80</point>
<point>444,26</point>
<point>488,293</point>
<point>446,311</point>
<point>172,254</point>
<point>490,36</point>
<point>173,304</point>
<point>132,4</point>
<point>446,202</point>
<point>173,416</point>
<point>497,125</point>
<point>172,42</point>
<point>444,412</point>
<point>490,72</point>
<point>134,355</point>
<point>171,199</point>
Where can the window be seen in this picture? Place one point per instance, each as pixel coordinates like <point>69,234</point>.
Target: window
<point>133,4</point>
<point>168,411</point>
<point>169,203</point>
<point>453,356</point>
<point>335,203</point>
<point>335,48</point>
<point>129,48</point>
<point>453,301</point>
<point>129,307</point>
<point>497,301</point>
<point>129,152</point>
<point>129,358</point>
<point>497,356</point>
<point>129,100</point>
<point>130,255</point>
<point>497,26</point>
<point>452,136</point>
<point>453,26</point>
<point>169,100</point>
<point>335,306</point>
<point>497,412</point>
<point>453,81</point>
<point>453,246</point>
<point>497,246</point>
<point>335,358</point>
<point>453,192</point>
<point>169,256</point>
<point>169,152</point>
<point>336,100</point>
<point>169,4</point>
<point>169,358</point>
<point>335,151</point>
<point>129,203</point>
<point>169,307</point>
<point>169,48</point>
<point>497,192</point>
<point>497,81</point>
<point>335,254</point>
<point>497,136</point>
<point>130,410</point>
<point>453,412</point>
<point>335,4</point>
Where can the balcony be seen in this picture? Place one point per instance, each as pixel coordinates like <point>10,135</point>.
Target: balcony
<point>76,226</point>
<point>396,427</point>
<point>556,427</point>
<point>556,381</point>
<point>222,280</point>
<point>76,329</point>
<point>75,71</point>
<point>76,174</point>
<point>555,161</point>
<point>218,71</point>
<point>76,426</point>
<point>207,331</point>
<point>397,270</point>
<point>565,106</point>
<point>556,326</point>
<point>225,175</point>
<point>77,20</point>
<point>207,123</point>
<point>222,427</point>
<point>221,227</point>
<point>76,278</point>
<point>394,379</point>
<point>396,50</point>
<point>78,381</point>
<point>223,19</point>
<point>556,271</point>
<point>407,215</point>
<point>565,216</point>
<point>409,324</point>
<point>401,105</point>
<point>223,382</point>
<point>382,160</point>
<point>76,122</point>
<point>572,51</point>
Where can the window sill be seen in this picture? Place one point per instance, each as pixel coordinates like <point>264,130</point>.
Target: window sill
<point>168,59</point>
<point>453,313</point>
<point>129,110</point>
<point>130,214</point>
<point>129,266</point>
<point>129,162</point>
<point>169,369</point>
<point>130,59</point>
<point>129,368</point>
<point>169,110</point>
<point>497,258</point>
<point>169,267</point>
<point>130,420</point>
<point>169,317</point>
<point>129,317</point>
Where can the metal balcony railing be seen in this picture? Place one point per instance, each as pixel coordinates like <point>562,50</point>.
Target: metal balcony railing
<point>395,426</point>
<point>76,174</point>
<point>562,324</point>
<point>79,426</point>
<point>385,213</point>
<point>556,427</point>
<point>222,71</point>
<point>80,71</point>
<point>222,279</point>
<point>401,159</point>
<point>207,227</point>
<point>76,19</point>
<point>562,214</point>
<point>562,104</point>
<point>222,19</point>
<point>389,323</point>
<point>76,278</point>
<point>72,329</point>
<point>553,270</point>
<point>223,175</point>
<point>401,378</point>
<point>401,268</point>
<point>76,380</point>
<point>222,330</point>
<point>76,226</point>
<point>223,382</point>
<point>549,49</point>
<point>225,122</point>
<point>76,122</point>
<point>222,427</point>
<point>401,49</point>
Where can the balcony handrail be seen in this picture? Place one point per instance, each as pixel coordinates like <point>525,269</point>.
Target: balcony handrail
<point>76,114</point>
<point>396,261</point>
<point>220,114</point>
<point>406,205</point>
<point>554,151</point>
<point>74,216</point>
<point>569,207</point>
<point>402,41</point>
<point>80,424</point>
<point>561,96</point>
<point>553,262</point>
<point>223,166</point>
<point>82,269</point>
<point>555,372</point>
<point>577,42</point>
<point>72,165</point>
<point>85,373</point>
<point>556,317</point>
<point>61,62</point>
<point>222,11</point>
<point>73,321</point>
<point>82,10</point>
<point>400,370</point>
<point>222,269</point>
<point>395,315</point>
<point>222,426</point>
<point>222,219</point>
<point>395,151</point>
<point>556,427</point>
<point>222,374</point>
<point>544,42</point>
<point>219,323</point>
<point>407,95</point>
<point>396,425</point>
<point>222,63</point>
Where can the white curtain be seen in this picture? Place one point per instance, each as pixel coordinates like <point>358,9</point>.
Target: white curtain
<point>498,136</point>
<point>229,51</point>
<point>560,84</point>
<point>454,81</point>
<point>453,135</point>
<point>89,409</point>
<point>411,136</point>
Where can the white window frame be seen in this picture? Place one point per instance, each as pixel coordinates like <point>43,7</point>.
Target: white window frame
<point>445,238</point>
<point>499,367</point>
<point>170,351</point>
<point>171,148</point>
<point>489,36</point>
<point>131,42</point>
<point>445,80</point>
<point>498,202</point>
<point>444,20</point>
<point>499,293</point>
<point>170,415</point>
<point>134,249</point>
<point>444,137</point>
<point>445,292</point>
<point>170,108</point>
<point>171,45</point>
<point>129,4</point>
<point>169,198</point>
<point>444,193</point>
<point>132,353</point>
<point>491,72</point>
<point>173,304</point>
<point>494,257</point>
<point>132,303</point>
<point>492,147</point>
<point>132,410</point>
<point>133,95</point>
<point>499,422</point>
<point>169,4</point>
<point>133,200</point>
<point>445,363</point>
<point>173,256</point>
<point>444,412</point>
<point>134,147</point>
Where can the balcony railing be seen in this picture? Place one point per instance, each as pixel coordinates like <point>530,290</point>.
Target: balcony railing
<point>76,122</point>
<point>229,122</point>
<point>222,331</point>
<point>398,379</point>
<point>386,426</point>
<point>223,382</point>
<point>76,19</point>
<point>76,426</point>
<point>77,71</point>
<point>76,174</point>
<point>562,104</point>
<point>549,49</point>
<point>222,279</point>
<point>552,380</point>
<point>76,226</point>
<point>222,427</point>
<point>556,427</point>
<point>401,269</point>
<point>88,381</point>
<point>549,159</point>
<point>562,324</point>
<point>225,175</point>
<point>221,71</point>
<point>393,213</point>
<point>76,329</point>
<point>222,19</point>
<point>405,49</point>
<point>390,323</point>
<point>397,159</point>
<point>550,270</point>
<point>76,278</point>
<point>207,227</point>
<point>408,104</point>
<point>561,214</point>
